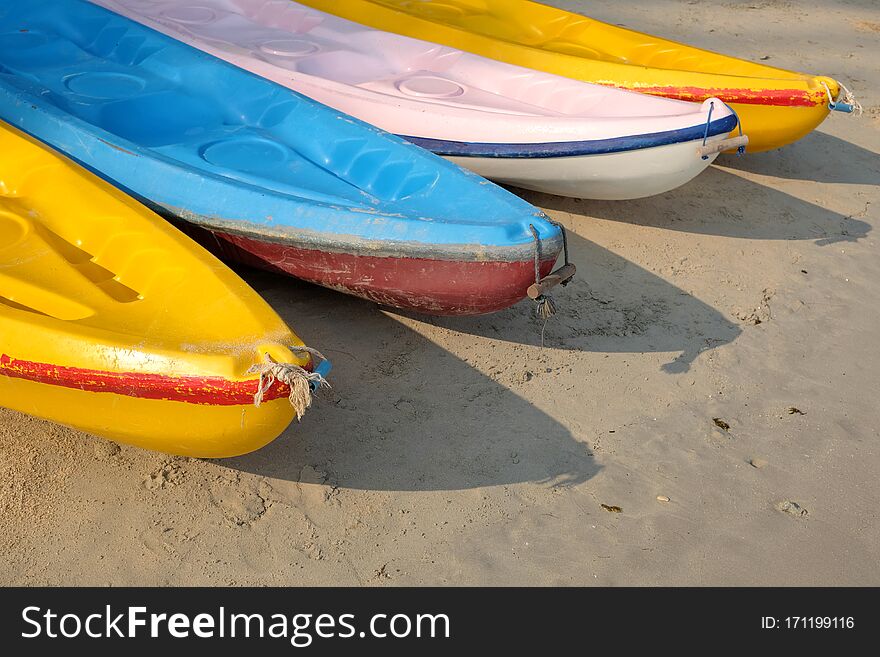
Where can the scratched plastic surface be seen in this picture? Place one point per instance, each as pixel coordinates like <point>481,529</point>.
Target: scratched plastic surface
<point>215,144</point>
<point>115,323</point>
<point>776,106</point>
<point>412,87</point>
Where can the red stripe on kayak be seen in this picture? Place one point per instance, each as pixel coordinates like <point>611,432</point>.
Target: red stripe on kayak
<point>771,97</point>
<point>211,391</point>
<point>434,287</point>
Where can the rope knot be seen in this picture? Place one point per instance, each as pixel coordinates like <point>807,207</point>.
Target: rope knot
<point>546,307</point>
<point>301,382</point>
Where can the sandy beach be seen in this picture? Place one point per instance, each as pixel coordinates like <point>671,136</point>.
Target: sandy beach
<point>702,410</point>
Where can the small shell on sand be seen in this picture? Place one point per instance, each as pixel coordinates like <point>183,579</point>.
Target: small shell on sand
<point>792,508</point>
<point>721,424</point>
<point>662,498</point>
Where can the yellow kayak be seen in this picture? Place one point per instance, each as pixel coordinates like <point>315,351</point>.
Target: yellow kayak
<point>115,323</point>
<point>777,107</point>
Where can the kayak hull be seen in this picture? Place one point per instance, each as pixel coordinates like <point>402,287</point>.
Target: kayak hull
<point>130,414</point>
<point>772,116</point>
<point>776,106</point>
<point>434,286</point>
<point>116,324</point>
<point>610,177</point>
<point>775,126</point>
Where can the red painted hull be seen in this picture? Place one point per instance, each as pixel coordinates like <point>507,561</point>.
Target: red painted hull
<point>210,391</point>
<point>430,286</point>
<point>772,97</point>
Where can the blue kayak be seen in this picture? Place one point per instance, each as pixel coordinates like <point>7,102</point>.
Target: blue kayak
<point>280,181</point>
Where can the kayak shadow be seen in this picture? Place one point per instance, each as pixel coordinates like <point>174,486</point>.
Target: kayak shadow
<point>818,157</point>
<point>404,413</point>
<point>612,306</point>
<point>616,306</point>
<point>722,203</point>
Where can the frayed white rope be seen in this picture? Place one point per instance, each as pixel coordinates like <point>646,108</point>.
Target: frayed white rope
<point>850,99</point>
<point>300,381</point>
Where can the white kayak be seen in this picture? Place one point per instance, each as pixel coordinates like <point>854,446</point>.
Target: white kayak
<point>511,124</point>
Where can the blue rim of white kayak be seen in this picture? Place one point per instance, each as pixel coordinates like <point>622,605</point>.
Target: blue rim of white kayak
<point>575,148</point>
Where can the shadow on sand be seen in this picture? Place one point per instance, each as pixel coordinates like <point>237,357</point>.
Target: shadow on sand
<point>386,425</point>
<point>616,306</point>
<point>818,157</point>
<point>722,203</point>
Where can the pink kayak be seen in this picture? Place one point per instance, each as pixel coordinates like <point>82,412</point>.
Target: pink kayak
<point>511,124</point>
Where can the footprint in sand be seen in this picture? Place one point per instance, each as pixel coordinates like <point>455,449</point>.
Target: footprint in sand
<point>168,476</point>
<point>242,506</point>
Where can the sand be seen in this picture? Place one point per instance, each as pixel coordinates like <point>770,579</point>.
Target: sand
<point>704,410</point>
